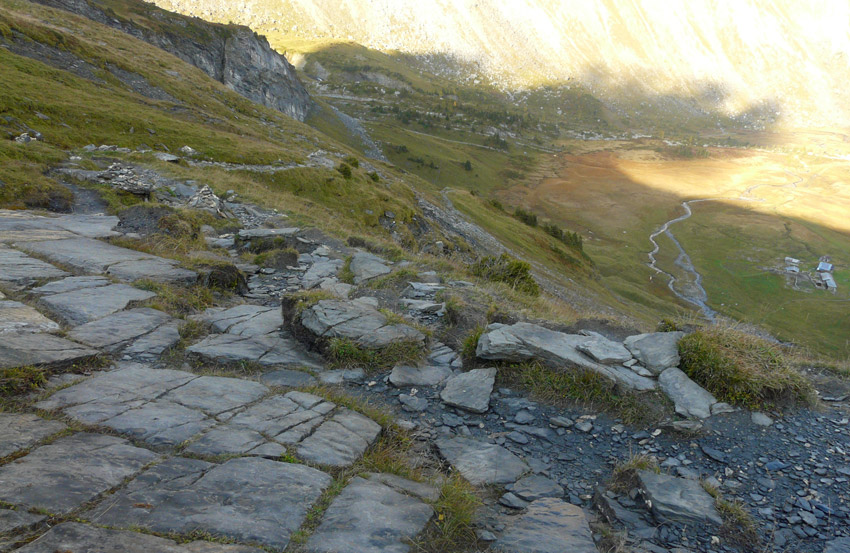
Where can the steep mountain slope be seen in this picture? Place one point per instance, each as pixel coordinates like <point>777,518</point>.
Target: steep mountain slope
<point>755,60</point>
<point>232,55</point>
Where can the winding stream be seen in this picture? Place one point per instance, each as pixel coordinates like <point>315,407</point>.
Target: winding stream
<point>695,293</point>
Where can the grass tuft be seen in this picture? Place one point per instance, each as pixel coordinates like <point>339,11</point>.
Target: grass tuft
<point>511,271</point>
<point>742,369</point>
<point>344,353</point>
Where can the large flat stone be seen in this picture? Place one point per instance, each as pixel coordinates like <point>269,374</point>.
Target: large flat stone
<point>94,256</point>
<point>13,520</point>
<point>22,430</point>
<point>216,394</point>
<point>150,346</point>
<point>115,331</point>
<point>470,391</point>
<point>366,266</point>
<point>158,422</point>
<point>69,284</point>
<point>548,526</point>
<point>370,517</point>
<point>83,538</point>
<point>605,351</point>
<point>288,378</point>
<point>226,440</point>
<point>244,320</point>
<point>18,317</point>
<point>291,416</point>
<point>481,462</point>
<point>403,375</point>
<point>677,500</point>
<point>690,399</point>
<point>84,305</point>
<point>340,441</point>
<point>61,476</point>
<point>251,500</point>
<point>656,351</point>
<point>267,350</point>
<point>18,349</point>
<point>19,271</point>
<point>526,341</point>
<point>358,322</point>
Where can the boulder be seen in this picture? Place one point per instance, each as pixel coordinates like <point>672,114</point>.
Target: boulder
<point>677,500</point>
<point>691,399</point>
<point>605,351</point>
<point>656,351</point>
<point>470,391</point>
<point>358,322</point>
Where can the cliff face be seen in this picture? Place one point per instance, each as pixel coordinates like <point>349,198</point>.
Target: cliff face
<point>782,56</point>
<point>231,54</point>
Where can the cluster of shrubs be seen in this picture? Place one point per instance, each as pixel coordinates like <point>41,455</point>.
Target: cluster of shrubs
<point>511,271</point>
<point>571,239</point>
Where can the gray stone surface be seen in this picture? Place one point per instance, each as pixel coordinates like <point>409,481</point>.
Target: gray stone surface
<point>158,269</point>
<point>216,394</point>
<point>536,487</point>
<point>18,317</point>
<point>226,440</point>
<point>244,320</point>
<point>526,341</point>
<point>677,500</point>
<point>18,270</point>
<point>247,499</point>
<point>28,348</point>
<point>339,441</point>
<point>83,538</point>
<point>358,322</point>
<point>690,399</point>
<point>548,526</point>
<point>69,284</point>
<point>13,520</point>
<point>370,517</point>
<point>838,545</point>
<point>88,304</point>
<point>321,270</point>
<point>605,351</point>
<point>114,331</point>
<point>405,486</point>
<point>266,350</point>
<point>250,234</point>
<point>63,475</point>
<point>481,462</point>
<point>341,376</point>
<point>335,287</point>
<point>403,375</point>
<point>366,266</point>
<point>760,419</point>
<point>288,378</point>
<point>656,351</point>
<point>153,344</point>
<point>22,430</point>
<point>470,390</point>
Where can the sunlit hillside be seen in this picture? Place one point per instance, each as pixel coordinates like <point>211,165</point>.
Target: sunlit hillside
<point>766,62</point>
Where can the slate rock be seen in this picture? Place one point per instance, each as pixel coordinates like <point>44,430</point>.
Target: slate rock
<point>18,317</point>
<point>115,331</point>
<point>760,419</point>
<point>403,375</point>
<point>154,343</point>
<point>678,500</point>
<point>288,378</point>
<point>690,399</point>
<point>13,520</point>
<point>244,320</point>
<point>536,487</point>
<point>18,270</point>
<point>605,351</point>
<point>71,284</point>
<point>61,476</point>
<point>22,430</point>
<point>838,545</point>
<point>83,538</point>
<point>339,441</point>
<point>88,304</point>
<point>370,517</point>
<point>405,486</point>
<point>471,390</point>
<point>413,404</point>
<point>366,266</point>
<point>268,350</point>
<point>226,440</point>
<point>249,499</point>
<point>18,349</point>
<point>358,322</point>
<point>481,462</point>
<point>548,526</point>
<point>340,376</point>
<point>656,351</point>
<point>216,394</point>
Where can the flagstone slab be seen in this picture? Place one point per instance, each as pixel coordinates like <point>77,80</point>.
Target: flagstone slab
<point>22,430</point>
<point>63,475</point>
<point>115,331</point>
<point>18,317</point>
<point>249,499</point>
<point>268,350</point>
<point>83,538</point>
<point>85,305</point>
<point>18,270</point>
<point>18,349</point>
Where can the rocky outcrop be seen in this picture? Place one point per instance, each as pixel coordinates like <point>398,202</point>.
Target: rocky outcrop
<point>231,54</point>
